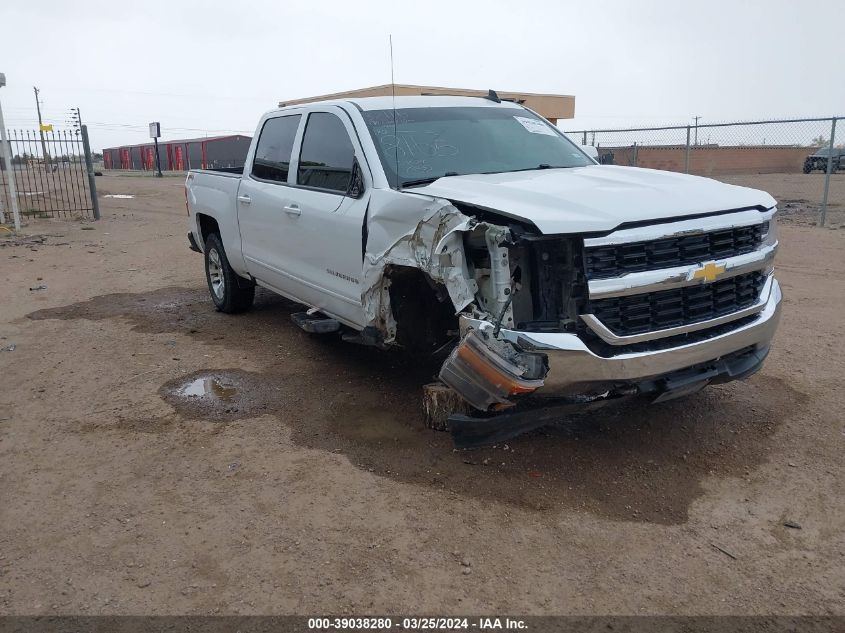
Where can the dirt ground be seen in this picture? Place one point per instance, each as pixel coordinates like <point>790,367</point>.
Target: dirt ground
<point>304,482</point>
<point>800,195</point>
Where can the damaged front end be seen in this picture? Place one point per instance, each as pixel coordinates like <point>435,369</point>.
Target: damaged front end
<point>490,271</point>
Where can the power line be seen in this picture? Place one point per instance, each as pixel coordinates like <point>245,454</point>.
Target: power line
<point>138,126</point>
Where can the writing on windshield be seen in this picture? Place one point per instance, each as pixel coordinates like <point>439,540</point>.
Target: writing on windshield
<point>431,142</point>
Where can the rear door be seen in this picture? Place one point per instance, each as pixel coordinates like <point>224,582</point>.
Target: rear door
<point>326,253</point>
<point>264,203</point>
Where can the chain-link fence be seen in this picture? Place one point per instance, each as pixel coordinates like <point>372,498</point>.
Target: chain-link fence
<point>801,162</point>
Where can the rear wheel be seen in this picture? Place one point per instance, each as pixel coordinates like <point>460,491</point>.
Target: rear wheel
<point>229,292</point>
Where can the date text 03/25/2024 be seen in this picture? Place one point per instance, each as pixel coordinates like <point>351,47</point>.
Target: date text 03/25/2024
<point>415,624</point>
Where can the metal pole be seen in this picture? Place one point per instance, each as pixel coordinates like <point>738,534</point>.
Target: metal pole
<point>585,138</point>
<point>827,174</point>
<point>89,166</point>
<point>686,153</point>
<point>696,128</point>
<point>7,161</point>
<point>158,160</point>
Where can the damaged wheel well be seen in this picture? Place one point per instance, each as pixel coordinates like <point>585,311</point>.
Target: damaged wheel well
<point>425,316</point>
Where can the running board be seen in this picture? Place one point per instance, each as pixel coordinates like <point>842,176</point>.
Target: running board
<point>315,323</point>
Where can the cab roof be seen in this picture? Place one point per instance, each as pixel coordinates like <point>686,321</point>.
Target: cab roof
<point>423,101</point>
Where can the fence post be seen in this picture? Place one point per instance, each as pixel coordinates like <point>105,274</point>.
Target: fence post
<point>89,166</point>
<point>686,153</point>
<point>823,217</point>
<point>6,151</point>
<point>585,138</point>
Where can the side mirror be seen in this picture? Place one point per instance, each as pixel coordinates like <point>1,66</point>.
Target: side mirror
<point>591,151</point>
<point>356,182</point>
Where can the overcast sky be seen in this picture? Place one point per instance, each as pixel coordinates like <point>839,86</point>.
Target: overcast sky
<point>210,67</point>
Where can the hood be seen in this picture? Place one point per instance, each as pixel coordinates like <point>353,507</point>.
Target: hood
<point>596,198</point>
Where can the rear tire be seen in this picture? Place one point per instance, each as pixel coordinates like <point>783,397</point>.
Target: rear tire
<point>229,292</point>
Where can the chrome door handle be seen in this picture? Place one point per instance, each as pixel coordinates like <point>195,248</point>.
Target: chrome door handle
<point>293,209</point>
<point>244,199</point>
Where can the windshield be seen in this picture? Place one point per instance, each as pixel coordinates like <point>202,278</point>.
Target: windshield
<point>438,141</point>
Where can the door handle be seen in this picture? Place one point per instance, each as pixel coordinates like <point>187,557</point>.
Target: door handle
<point>293,209</point>
<point>244,199</point>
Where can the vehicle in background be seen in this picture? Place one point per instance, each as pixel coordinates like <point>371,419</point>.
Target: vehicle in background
<point>820,158</point>
<point>473,229</point>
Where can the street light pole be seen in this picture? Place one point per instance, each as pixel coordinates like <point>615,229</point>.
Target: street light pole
<point>7,161</point>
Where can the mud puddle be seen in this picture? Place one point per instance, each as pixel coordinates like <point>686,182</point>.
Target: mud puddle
<point>229,394</point>
<point>208,386</point>
<point>633,462</point>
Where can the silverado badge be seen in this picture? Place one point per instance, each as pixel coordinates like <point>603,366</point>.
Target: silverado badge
<point>709,272</point>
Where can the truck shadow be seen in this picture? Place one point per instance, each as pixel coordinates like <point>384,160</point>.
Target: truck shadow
<point>628,461</point>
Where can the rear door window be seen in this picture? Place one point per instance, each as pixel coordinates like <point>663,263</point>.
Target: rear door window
<point>275,146</point>
<point>327,154</point>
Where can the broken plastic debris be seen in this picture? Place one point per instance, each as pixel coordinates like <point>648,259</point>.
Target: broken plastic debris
<point>487,372</point>
<point>39,287</point>
<point>8,348</point>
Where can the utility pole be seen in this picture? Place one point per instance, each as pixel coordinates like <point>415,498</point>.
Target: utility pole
<point>41,126</point>
<point>696,129</point>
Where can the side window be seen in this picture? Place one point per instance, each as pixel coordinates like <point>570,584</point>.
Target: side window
<point>275,146</point>
<point>325,160</point>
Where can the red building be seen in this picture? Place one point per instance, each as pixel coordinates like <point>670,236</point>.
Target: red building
<point>181,155</point>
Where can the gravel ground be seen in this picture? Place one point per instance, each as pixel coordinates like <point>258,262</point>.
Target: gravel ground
<point>304,482</point>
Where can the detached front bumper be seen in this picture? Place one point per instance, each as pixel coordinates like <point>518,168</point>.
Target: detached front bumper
<point>575,369</point>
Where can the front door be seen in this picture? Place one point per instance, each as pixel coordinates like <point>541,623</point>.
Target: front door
<point>326,254</point>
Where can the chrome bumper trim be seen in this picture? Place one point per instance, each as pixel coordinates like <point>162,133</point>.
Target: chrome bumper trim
<point>609,337</point>
<point>681,228</point>
<point>575,369</point>
<point>680,276</point>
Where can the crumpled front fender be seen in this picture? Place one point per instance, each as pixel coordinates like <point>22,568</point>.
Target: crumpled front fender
<point>417,232</point>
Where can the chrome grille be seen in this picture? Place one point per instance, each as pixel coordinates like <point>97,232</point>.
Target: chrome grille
<point>649,312</point>
<point>615,260</point>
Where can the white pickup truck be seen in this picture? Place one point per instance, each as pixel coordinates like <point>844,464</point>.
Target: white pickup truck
<point>473,228</point>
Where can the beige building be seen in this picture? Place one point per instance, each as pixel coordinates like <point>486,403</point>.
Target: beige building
<point>552,107</point>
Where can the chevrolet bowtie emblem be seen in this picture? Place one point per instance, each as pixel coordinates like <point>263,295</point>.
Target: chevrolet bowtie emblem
<point>709,271</point>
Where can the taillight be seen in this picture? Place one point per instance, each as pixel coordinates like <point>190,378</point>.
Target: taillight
<point>190,177</point>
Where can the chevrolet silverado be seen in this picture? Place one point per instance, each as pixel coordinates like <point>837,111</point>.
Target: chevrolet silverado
<point>474,229</point>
